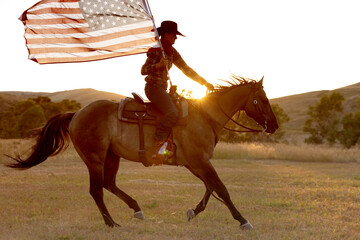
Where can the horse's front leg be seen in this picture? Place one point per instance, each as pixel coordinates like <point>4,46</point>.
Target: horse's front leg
<point>212,180</point>
<point>191,213</point>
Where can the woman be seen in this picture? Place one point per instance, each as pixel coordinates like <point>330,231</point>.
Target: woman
<point>156,68</point>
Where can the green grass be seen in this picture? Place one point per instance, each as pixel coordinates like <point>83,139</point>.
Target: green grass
<point>282,199</point>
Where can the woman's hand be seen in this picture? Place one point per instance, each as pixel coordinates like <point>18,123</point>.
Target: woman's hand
<point>209,86</point>
<point>162,64</point>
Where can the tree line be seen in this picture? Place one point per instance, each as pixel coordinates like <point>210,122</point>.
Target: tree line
<point>328,124</point>
<point>19,120</point>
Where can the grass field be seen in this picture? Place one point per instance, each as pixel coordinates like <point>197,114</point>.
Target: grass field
<point>283,199</point>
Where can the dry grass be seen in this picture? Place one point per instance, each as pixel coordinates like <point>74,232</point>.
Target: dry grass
<point>281,151</point>
<point>245,151</point>
<point>283,200</point>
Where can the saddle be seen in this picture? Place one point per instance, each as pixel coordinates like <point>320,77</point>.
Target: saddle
<point>138,111</point>
<point>131,109</point>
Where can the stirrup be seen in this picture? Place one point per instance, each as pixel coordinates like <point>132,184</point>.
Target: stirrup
<point>163,152</point>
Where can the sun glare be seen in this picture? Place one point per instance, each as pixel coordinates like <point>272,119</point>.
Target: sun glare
<point>195,92</point>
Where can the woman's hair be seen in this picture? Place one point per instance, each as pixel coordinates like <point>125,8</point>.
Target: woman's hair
<point>161,32</point>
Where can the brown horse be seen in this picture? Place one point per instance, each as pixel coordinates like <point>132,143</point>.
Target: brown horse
<point>101,140</point>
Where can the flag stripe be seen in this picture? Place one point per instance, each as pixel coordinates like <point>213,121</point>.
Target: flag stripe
<point>54,21</point>
<point>56,31</point>
<point>95,45</point>
<point>58,39</point>
<point>99,56</point>
<point>55,11</point>
<point>80,49</point>
<point>74,4</point>
<point>54,16</point>
<point>53,1</point>
<point>70,56</point>
<point>59,26</point>
<point>133,27</point>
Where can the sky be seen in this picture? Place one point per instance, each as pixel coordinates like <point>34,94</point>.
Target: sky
<point>297,45</point>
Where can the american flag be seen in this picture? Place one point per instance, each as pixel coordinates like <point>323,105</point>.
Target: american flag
<point>58,31</point>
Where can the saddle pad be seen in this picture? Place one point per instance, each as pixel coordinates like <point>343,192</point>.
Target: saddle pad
<point>130,111</point>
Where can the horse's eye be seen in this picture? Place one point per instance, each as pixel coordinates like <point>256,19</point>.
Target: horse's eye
<point>255,102</point>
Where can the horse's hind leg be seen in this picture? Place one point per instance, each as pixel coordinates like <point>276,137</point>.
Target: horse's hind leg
<point>96,171</point>
<point>111,168</point>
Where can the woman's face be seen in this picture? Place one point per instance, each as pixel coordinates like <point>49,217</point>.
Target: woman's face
<point>170,38</point>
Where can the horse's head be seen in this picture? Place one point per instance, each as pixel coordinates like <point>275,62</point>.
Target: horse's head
<point>258,107</point>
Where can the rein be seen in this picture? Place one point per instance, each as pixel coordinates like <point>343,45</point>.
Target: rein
<point>239,124</point>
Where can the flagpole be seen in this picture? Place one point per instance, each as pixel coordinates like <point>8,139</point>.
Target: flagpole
<point>157,35</point>
<point>155,28</point>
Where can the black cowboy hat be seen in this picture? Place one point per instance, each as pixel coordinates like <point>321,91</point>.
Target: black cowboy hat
<point>168,27</point>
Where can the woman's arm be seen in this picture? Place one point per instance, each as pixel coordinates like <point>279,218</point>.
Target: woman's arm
<point>151,64</point>
<point>188,71</point>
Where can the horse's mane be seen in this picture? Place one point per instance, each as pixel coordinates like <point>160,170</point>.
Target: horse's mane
<point>234,81</point>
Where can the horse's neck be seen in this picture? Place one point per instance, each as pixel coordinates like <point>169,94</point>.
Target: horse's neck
<point>220,107</point>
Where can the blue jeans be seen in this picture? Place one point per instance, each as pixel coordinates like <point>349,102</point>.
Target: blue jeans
<point>158,96</point>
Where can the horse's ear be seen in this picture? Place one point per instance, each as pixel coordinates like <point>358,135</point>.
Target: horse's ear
<point>261,81</point>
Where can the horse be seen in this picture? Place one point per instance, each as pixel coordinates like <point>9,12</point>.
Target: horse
<point>101,140</point>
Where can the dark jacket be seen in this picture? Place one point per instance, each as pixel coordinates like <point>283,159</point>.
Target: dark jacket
<point>161,76</point>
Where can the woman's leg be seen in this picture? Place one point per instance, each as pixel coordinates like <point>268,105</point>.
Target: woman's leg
<point>162,100</point>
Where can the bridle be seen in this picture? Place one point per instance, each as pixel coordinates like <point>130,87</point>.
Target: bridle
<point>213,122</point>
<point>248,129</point>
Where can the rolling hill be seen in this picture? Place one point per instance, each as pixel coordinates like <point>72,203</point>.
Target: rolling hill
<point>295,106</point>
<point>83,96</point>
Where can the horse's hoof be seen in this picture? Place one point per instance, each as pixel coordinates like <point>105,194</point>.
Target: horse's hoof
<point>109,222</point>
<point>113,224</point>
<point>139,215</point>
<point>190,214</point>
<point>246,226</point>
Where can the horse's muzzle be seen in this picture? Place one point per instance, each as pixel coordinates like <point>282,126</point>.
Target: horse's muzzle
<point>270,126</point>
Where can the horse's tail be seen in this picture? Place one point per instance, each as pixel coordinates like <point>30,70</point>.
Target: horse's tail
<point>53,138</point>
